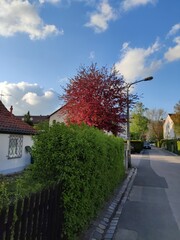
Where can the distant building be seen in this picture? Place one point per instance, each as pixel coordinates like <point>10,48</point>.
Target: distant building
<point>57,117</point>
<point>36,119</point>
<point>169,127</point>
<point>15,135</point>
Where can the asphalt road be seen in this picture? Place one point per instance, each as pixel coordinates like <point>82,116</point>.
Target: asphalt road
<point>152,211</point>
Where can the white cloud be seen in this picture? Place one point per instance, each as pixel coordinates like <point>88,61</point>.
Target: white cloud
<point>28,97</point>
<point>21,17</point>
<point>137,63</point>
<point>173,53</point>
<point>130,4</point>
<point>174,29</point>
<point>99,20</point>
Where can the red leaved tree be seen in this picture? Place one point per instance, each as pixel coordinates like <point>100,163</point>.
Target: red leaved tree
<point>96,97</point>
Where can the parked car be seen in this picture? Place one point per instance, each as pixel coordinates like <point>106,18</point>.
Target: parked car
<point>147,145</point>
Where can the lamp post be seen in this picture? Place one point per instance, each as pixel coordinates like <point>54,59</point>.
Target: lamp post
<point>128,148</point>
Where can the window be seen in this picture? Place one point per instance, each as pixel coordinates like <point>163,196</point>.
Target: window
<point>15,146</point>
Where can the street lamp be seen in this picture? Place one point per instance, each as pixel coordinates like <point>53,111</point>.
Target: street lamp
<point>128,148</point>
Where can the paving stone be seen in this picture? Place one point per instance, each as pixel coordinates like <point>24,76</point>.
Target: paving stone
<point>112,227</point>
<point>101,226</point>
<point>104,223</point>
<point>106,220</point>
<point>110,231</point>
<point>108,215</point>
<point>114,220</point>
<point>97,235</point>
<point>113,224</point>
<point>110,210</point>
<point>99,230</point>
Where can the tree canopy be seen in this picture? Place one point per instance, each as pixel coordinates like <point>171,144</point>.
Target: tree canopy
<point>177,107</point>
<point>155,126</point>
<point>98,98</point>
<point>27,119</point>
<point>139,123</point>
<point>176,119</point>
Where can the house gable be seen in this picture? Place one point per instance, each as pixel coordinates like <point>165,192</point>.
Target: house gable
<point>58,116</point>
<point>168,127</point>
<point>11,124</point>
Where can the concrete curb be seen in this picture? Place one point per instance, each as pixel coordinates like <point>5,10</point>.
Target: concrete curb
<point>106,227</point>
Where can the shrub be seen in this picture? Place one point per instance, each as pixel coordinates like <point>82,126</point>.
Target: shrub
<point>87,162</point>
<point>137,146</point>
<point>178,147</point>
<point>172,145</point>
<point>16,186</point>
<point>4,194</point>
<point>158,144</point>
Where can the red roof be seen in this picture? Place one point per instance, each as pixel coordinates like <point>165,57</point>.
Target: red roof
<point>11,124</point>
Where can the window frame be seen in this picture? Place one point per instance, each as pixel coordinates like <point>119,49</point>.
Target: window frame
<point>15,147</point>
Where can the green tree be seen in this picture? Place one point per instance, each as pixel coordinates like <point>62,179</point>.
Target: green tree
<point>139,123</point>
<point>42,126</point>
<point>27,119</point>
<point>176,119</point>
<point>177,125</point>
<point>155,127</point>
<point>177,107</point>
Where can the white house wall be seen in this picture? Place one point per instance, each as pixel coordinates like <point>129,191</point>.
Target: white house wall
<point>57,117</point>
<point>8,166</point>
<point>168,128</point>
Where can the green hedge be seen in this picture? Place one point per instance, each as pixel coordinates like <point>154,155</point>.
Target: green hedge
<point>178,147</point>
<point>136,146</point>
<point>172,145</point>
<point>89,165</point>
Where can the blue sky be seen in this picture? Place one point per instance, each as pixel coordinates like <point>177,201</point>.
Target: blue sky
<point>43,43</point>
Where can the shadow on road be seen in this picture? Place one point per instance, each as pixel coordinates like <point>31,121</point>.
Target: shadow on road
<point>146,175</point>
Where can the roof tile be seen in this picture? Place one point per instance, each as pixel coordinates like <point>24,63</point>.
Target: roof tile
<point>11,124</point>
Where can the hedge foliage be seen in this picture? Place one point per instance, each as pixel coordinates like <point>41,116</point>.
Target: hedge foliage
<point>172,145</point>
<point>14,187</point>
<point>136,146</point>
<point>87,162</point>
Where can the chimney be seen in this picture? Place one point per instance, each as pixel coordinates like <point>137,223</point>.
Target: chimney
<point>11,109</point>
